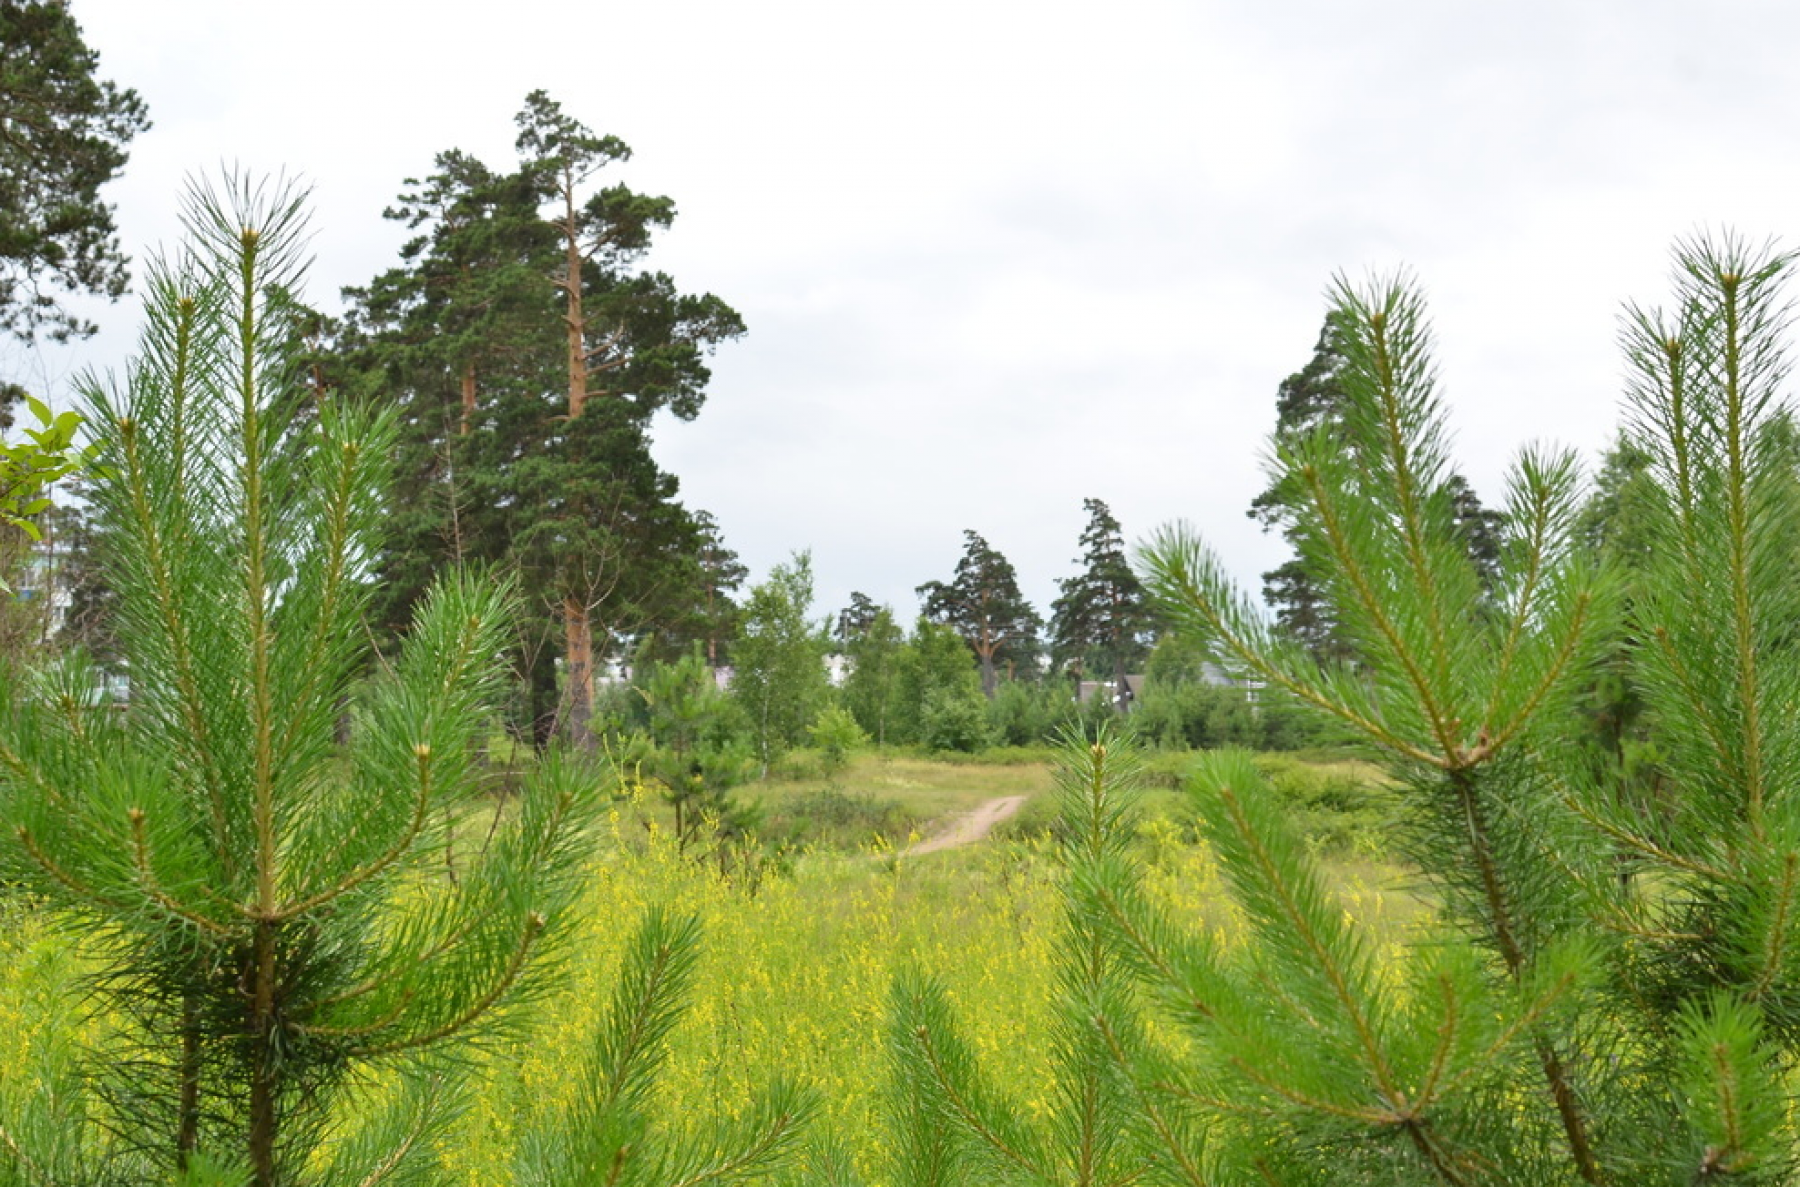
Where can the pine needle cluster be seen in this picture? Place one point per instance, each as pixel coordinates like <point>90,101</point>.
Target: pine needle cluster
<point>266,904</point>
<point>1612,1002</point>
<point>1607,993</point>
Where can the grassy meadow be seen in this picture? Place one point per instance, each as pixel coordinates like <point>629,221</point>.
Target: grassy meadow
<point>799,958</point>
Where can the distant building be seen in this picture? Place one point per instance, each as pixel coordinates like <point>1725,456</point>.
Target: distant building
<point>1211,674</point>
<point>837,670</point>
<point>39,584</point>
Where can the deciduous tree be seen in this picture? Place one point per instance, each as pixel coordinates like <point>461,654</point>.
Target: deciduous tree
<point>778,660</point>
<point>937,690</point>
<point>872,688</point>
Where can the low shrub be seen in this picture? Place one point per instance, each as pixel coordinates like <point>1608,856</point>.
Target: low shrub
<point>835,819</point>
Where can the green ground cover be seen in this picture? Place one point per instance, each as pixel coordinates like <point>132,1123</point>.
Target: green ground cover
<point>795,973</point>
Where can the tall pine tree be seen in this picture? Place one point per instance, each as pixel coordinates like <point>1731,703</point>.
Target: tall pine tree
<point>1311,403</point>
<point>1102,616</point>
<point>983,604</point>
<point>529,351</point>
<point>64,136</point>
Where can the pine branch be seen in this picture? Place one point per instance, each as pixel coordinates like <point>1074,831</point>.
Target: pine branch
<point>1374,604</point>
<point>61,875</point>
<point>1160,1122</point>
<point>775,1135</point>
<point>534,926</point>
<point>152,888</point>
<point>1779,930</point>
<point>171,613</point>
<point>1273,881</point>
<point>1189,584</point>
<point>400,848</point>
<point>647,1003</point>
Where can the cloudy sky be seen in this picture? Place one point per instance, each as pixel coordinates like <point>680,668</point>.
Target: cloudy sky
<point>999,256</point>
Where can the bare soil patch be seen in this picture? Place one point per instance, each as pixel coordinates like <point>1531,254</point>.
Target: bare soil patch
<point>966,828</point>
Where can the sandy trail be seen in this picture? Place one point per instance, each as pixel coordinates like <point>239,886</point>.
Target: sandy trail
<point>969,827</point>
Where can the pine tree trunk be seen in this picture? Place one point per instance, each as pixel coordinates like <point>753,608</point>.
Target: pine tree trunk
<point>575,317</point>
<point>578,655</point>
<point>578,669</point>
<point>264,1059</point>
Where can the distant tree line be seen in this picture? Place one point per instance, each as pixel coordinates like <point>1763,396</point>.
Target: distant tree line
<point>524,346</point>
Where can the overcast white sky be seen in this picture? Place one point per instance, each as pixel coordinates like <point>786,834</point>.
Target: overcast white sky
<point>999,256</point>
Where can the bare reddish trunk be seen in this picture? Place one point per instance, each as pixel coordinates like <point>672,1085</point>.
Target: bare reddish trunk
<point>578,634</point>
<point>572,292</point>
<point>578,669</point>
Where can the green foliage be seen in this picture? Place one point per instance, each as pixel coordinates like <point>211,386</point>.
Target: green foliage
<point>1617,517</point>
<point>76,548</point>
<point>779,674</point>
<point>265,909</point>
<point>715,616</point>
<point>526,355</point>
<point>1617,525</point>
<point>1196,716</point>
<point>949,720</point>
<point>699,748</point>
<point>952,1124</point>
<point>28,467</point>
<point>1308,401</point>
<point>834,819</point>
<point>612,1132</point>
<point>1314,404</point>
<point>835,732</point>
<point>935,666</point>
<point>1100,621</point>
<point>1334,807</point>
<point>1030,714</point>
<point>1183,706</point>
<point>984,606</point>
<point>1607,994</point>
<point>1619,1007</point>
<point>66,133</point>
<point>684,706</point>
<point>871,690</point>
<point>857,619</point>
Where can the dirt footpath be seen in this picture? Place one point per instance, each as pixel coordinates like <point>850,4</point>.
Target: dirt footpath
<point>969,827</point>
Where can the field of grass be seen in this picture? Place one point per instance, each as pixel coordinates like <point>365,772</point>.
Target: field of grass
<point>884,798</point>
<point>925,787</point>
<point>798,962</point>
